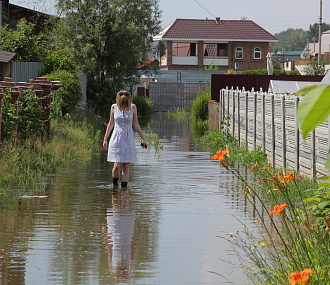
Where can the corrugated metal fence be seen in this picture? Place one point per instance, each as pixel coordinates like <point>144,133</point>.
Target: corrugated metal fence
<point>168,96</point>
<point>24,71</point>
<point>269,121</point>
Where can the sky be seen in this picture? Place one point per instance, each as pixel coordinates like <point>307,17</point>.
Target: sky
<point>274,16</point>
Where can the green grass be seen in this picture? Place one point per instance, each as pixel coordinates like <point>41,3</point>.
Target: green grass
<point>294,241</point>
<point>23,170</point>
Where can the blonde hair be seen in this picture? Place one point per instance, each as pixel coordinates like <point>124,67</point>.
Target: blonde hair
<point>124,99</point>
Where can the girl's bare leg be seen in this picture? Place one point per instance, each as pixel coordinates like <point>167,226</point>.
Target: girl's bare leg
<point>125,174</point>
<point>115,173</point>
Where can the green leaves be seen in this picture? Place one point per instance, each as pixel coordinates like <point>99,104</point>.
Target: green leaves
<point>314,108</point>
<point>28,47</point>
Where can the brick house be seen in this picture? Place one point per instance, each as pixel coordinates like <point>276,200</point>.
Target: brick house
<point>192,44</point>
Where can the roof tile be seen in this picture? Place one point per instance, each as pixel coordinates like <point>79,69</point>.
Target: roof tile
<point>210,29</point>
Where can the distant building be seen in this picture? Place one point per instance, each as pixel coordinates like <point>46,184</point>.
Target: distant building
<point>193,44</point>
<point>11,14</point>
<point>37,18</point>
<point>311,50</point>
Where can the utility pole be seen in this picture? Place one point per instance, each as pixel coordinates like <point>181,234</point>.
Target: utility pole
<point>320,34</point>
<point>0,17</point>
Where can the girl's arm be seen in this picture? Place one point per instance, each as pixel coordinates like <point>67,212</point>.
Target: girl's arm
<point>136,125</point>
<point>109,128</point>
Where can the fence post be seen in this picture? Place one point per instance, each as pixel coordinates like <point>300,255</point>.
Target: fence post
<point>263,112</point>
<point>228,100</point>
<point>297,142</point>
<point>283,132</point>
<point>239,116</point>
<point>313,151</point>
<point>254,120</point>
<point>272,128</point>
<point>233,109</point>
<point>224,103</point>
<point>246,119</point>
<point>220,108</point>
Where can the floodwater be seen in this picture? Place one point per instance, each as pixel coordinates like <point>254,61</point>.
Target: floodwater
<point>166,228</point>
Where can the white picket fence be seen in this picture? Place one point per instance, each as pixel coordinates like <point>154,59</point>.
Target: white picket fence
<point>267,120</point>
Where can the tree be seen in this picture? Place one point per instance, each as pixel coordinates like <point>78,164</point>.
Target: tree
<point>28,47</point>
<point>313,32</point>
<point>292,39</point>
<point>314,68</point>
<point>110,38</point>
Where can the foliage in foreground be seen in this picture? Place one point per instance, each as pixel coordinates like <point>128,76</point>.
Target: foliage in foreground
<point>214,140</point>
<point>293,246</point>
<point>291,240</point>
<point>27,114</point>
<point>23,169</point>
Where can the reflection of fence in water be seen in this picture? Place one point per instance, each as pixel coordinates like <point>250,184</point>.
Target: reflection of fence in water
<point>170,129</point>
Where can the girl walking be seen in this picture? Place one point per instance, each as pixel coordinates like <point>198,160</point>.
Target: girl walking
<point>121,148</point>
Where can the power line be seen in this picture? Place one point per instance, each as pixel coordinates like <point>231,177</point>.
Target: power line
<point>205,9</point>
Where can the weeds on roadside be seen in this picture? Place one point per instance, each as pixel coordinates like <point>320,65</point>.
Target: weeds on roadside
<point>293,248</point>
<point>23,169</point>
<point>179,113</point>
<point>153,140</point>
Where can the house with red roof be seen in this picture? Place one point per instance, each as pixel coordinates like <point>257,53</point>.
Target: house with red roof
<point>192,44</point>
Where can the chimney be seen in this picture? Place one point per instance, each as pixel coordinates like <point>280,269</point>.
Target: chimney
<point>217,20</point>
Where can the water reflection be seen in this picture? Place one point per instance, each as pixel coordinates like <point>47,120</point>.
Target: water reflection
<point>163,230</point>
<point>119,229</point>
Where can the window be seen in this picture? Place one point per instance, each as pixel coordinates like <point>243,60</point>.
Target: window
<point>184,49</point>
<point>215,50</point>
<point>257,53</point>
<point>239,53</point>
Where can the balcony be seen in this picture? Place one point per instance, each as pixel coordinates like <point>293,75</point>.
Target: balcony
<point>224,61</point>
<point>185,60</point>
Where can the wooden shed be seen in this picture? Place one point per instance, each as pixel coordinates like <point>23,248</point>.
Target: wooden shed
<point>6,58</point>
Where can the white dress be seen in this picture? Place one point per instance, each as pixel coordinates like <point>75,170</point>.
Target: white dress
<point>122,143</point>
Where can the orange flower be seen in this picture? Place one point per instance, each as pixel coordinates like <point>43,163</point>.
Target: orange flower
<point>287,178</point>
<point>300,277</point>
<point>278,209</point>
<point>220,154</point>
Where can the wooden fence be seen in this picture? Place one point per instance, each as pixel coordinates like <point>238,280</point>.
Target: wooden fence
<point>266,120</point>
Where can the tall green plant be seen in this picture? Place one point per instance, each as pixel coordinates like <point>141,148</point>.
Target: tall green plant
<point>199,107</point>
<point>31,115</point>
<point>9,117</point>
<point>70,94</point>
<point>22,41</point>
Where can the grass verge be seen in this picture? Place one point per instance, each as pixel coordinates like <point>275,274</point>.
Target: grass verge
<point>23,170</point>
<point>292,245</point>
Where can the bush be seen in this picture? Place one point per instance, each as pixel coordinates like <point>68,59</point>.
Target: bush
<point>200,104</point>
<point>26,113</point>
<point>70,94</point>
<point>144,106</point>
<point>61,58</point>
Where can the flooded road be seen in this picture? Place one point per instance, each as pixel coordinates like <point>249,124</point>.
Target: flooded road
<point>165,229</point>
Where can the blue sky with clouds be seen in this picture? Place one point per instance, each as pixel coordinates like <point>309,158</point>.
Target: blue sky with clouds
<point>274,16</point>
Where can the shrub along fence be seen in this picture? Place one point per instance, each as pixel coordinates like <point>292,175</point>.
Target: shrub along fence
<point>267,120</point>
<point>43,89</point>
